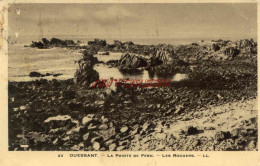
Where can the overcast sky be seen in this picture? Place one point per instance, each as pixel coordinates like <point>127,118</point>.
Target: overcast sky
<point>134,20</point>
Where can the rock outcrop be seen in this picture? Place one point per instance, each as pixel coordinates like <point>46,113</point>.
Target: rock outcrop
<point>162,57</point>
<point>54,42</point>
<point>131,61</point>
<point>37,74</point>
<point>218,50</point>
<point>85,74</point>
<point>134,61</point>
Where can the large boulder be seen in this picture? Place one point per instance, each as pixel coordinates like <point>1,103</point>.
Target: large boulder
<point>162,57</point>
<point>85,73</point>
<point>131,61</point>
<point>35,74</point>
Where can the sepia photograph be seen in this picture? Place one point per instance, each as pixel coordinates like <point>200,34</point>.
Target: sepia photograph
<point>132,77</point>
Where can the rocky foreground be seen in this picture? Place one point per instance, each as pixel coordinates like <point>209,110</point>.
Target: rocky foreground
<point>215,109</point>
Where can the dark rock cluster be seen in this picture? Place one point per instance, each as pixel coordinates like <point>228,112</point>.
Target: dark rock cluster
<point>131,61</point>
<point>54,42</point>
<point>37,74</point>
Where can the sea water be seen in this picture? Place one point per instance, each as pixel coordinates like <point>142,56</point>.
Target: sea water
<point>23,60</point>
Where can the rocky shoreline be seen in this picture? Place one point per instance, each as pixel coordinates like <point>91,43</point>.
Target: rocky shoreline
<point>188,115</point>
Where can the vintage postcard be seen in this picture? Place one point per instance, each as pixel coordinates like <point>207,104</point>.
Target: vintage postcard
<point>136,82</point>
